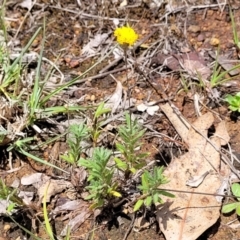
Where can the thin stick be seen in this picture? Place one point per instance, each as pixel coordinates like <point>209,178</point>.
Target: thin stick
<point>198,193</point>
<point>130,227</point>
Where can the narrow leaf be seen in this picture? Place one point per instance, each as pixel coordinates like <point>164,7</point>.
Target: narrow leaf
<point>229,207</point>
<point>138,204</point>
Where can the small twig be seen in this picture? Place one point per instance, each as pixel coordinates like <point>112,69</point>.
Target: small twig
<point>197,193</point>
<point>130,227</point>
<point>10,171</point>
<point>179,9</point>
<point>86,15</point>
<point>92,77</point>
<point>23,21</point>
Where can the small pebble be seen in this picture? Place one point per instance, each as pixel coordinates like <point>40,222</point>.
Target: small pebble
<point>209,12</point>
<point>93,98</point>
<point>6,227</point>
<point>78,94</point>
<point>36,42</point>
<point>200,37</point>
<point>194,28</point>
<point>87,97</point>
<point>214,41</point>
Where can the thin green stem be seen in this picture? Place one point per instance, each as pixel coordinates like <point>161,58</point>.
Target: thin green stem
<point>128,86</point>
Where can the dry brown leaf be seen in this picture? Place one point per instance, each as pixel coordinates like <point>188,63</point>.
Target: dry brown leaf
<point>188,215</point>
<point>114,101</point>
<point>226,63</point>
<point>190,62</point>
<point>54,187</point>
<point>195,66</point>
<point>75,222</point>
<point>70,205</point>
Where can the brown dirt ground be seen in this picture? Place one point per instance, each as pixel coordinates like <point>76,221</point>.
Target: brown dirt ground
<point>65,35</point>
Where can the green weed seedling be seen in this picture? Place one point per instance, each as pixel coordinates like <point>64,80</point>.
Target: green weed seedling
<point>234,30</point>
<point>77,134</point>
<point>149,187</point>
<point>23,145</point>
<point>219,77</point>
<point>100,177</point>
<point>130,135</point>
<point>97,122</point>
<point>233,101</point>
<point>10,194</point>
<point>236,205</point>
<point>48,227</point>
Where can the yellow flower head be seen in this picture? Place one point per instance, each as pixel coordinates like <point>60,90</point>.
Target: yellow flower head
<point>126,35</point>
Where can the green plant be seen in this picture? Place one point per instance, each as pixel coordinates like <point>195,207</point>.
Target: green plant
<point>184,83</point>
<point>33,236</point>
<point>38,98</point>
<point>48,227</point>
<point>149,187</point>
<point>100,177</point>
<point>10,194</point>
<point>233,101</point>
<point>235,188</point>
<point>130,135</point>
<point>77,133</point>
<point>96,125</point>
<point>218,77</point>
<point>234,30</point>
<point>23,145</point>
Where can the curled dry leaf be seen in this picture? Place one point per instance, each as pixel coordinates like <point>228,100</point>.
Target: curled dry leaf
<point>27,197</point>
<point>190,62</point>
<point>54,187</point>
<point>31,179</point>
<point>141,223</point>
<point>195,181</point>
<point>26,4</point>
<point>225,63</point>
<point>149,107</point>
<point>74,223</point>
<point>3,207</point>
<point>40,181</point>
<point>90,48</point>
<point>70,205</point>
<point>188,215</point>
<point>115,100</point>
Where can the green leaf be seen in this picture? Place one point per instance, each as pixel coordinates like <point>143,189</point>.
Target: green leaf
<point>90,196</point>
<point>235,189</point>
<point>238,210</point>
<point>121,148</point>
<point>120,164</point>
<point>142,155</point>
<point>232,108</point>
<point>145,180</point>
<point>115,193</point>
<point>97,204</point>
<point>133,170</point>
<point>49,229</point>
<point>148,201</point>
<point>155,198</point>
<point>167,194</point>
<point>101,110</point>
<point>229,207</point>
<point>68,158</point>
<point>138,204</point>
<point>11,207</point>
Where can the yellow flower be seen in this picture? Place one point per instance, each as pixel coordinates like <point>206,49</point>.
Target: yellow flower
<point>126,35</point>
